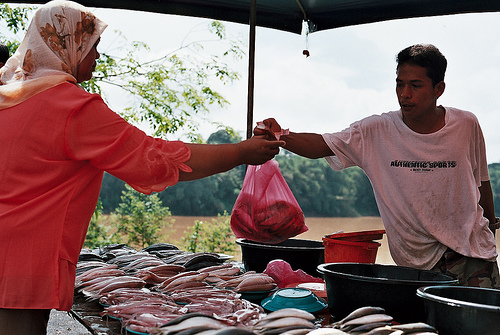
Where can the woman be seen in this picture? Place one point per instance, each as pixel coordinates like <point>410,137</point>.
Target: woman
<point>57,141</point>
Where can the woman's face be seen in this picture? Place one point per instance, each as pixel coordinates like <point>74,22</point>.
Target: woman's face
<point>88,64</point>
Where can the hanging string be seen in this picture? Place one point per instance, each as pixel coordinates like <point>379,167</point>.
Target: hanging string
<point>305,52</point>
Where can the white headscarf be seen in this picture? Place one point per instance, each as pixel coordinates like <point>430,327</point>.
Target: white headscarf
<point>59,37</point>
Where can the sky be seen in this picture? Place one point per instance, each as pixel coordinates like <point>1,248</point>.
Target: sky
<point>349,75</point>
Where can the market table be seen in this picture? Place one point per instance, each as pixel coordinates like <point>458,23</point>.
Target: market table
<point>88,314</point>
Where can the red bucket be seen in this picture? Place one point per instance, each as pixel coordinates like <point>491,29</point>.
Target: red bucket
<point>357,247</point>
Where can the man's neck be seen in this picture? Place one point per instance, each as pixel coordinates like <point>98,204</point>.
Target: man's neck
<point>428,125</point>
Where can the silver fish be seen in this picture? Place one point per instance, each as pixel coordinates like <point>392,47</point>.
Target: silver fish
<point>359,312</point>
<point>285,322</point>
<point>415,327</point>
<point>371,318</point>
<point>289,312</point>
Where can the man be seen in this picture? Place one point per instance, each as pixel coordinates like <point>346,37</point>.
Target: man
<point>427,165</point>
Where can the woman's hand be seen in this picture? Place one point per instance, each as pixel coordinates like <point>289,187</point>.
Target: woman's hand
<point>259,149</point>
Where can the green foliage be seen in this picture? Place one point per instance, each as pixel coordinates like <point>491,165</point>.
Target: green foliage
<point>172,93</point>
<point>214,236</point>
<point>211,195</point>
<point>140,218</point>
<point>224,136</point>
<point>111,190</point>
<point>15,18</point>
<point>98,233</point>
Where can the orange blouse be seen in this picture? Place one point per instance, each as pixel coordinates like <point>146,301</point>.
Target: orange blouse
<point>55,148</point>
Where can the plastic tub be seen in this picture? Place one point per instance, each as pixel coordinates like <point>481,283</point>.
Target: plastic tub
<point>299,298</point>
<point>459,310</point>
<point>357,247</point>
<point>353,285</point>
<point>300,254</point>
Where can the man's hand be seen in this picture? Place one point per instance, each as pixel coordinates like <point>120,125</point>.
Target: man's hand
<point>268,128</point>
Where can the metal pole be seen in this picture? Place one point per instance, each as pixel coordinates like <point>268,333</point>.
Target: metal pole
<point>251,67</point>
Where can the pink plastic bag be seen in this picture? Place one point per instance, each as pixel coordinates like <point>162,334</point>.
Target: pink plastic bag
<point>284,275</point>
<point>266,210</point>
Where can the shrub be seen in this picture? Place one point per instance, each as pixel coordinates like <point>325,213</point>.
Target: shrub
<point>214,236</point>
<point>140,218</point>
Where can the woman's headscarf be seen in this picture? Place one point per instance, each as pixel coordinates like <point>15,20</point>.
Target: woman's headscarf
<point>59,37</point>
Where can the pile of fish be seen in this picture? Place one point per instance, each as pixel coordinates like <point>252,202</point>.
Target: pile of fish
<point>374,321</point>
<point>285,321</point>
<point>162,290</point>
<point>146,289</point>
<point>165,252</point>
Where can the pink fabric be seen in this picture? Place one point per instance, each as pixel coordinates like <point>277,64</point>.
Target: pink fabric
<point>55,149</point>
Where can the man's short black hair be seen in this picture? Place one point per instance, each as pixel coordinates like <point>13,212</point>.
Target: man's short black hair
<point>426,56</point>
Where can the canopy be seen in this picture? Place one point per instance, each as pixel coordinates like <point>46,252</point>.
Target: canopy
<point>288,15</point>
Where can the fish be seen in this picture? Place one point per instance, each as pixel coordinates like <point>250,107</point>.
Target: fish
<point>160,246</point>
<point>179,275</point>
<point>415,327</point>
<point>285,322</point>
<point>370,318</point>
<point>202,260</point>
<point>234,331</point>
<point>193,322</point>
<point>386,330</point>
<point>359,312</point>
<point>256,283</point>
<point>281,330</point>
<point>194,330</point>
<point>286,312</point>
<point>326,331</point>
<point>197,277</point>
<point>367,327</point>
<point>300,331</point>
<point>185,317</point>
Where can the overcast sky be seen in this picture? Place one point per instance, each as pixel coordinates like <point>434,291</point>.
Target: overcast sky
<point>350,73</point>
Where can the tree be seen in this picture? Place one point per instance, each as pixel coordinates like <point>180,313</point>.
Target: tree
<point>213,236</point>
<point>208,196</point>
<point>16,19</point>
<point>172,93</point>
<point>140,217</point>
<point>99,233</point>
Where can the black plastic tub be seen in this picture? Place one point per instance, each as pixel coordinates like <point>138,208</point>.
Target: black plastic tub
<point>459,310</point>
<point>300,254</point>
<point>353,285</point>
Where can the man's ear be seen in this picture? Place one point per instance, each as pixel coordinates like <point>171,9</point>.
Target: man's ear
<point>439,89</point>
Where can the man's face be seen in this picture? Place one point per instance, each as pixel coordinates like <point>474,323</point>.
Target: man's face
<point>416,95</point>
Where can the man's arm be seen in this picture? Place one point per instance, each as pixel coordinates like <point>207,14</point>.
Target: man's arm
<point>486,202</point>
<point>309,145</point>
